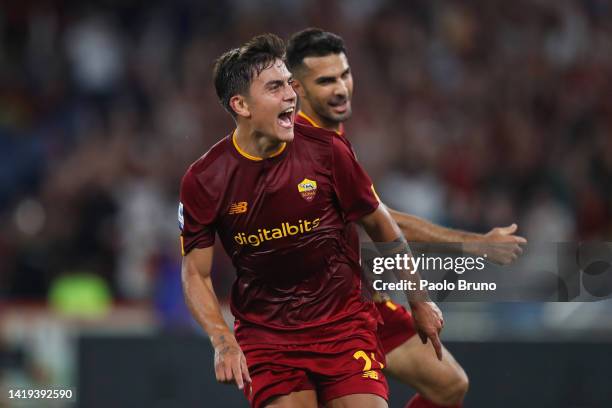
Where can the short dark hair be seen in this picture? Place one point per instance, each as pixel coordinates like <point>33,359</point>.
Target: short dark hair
<point>234,70</point>
<point>312,42</point>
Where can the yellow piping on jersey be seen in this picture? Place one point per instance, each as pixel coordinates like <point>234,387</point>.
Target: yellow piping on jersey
<point>376,194</point>
<point>390,305</point>
<point>305,116</point>
<point>250,156</point>
<point>313,123</point>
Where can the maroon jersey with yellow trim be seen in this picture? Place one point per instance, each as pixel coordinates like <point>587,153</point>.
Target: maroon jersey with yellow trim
<point>304,119</point>
<point>352,235</point>
<point>282,221</point>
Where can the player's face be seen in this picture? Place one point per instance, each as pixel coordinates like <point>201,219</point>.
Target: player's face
<point>271,102</point>
<point>327,85</point>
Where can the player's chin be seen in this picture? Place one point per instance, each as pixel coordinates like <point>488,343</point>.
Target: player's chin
<point>341,116</point>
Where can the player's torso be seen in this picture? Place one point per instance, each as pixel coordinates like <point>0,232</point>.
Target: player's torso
<point>351,233</point>
<point>278,219</point>
<point>280,223</point>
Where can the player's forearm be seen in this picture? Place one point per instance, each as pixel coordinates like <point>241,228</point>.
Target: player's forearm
<point>383,230</point>
<point>380,227</point>
<point>416,229</point>
<point>204,305</point>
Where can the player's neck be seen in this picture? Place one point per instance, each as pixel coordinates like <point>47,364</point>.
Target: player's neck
<point>319,121</point>
<point>255,144</point>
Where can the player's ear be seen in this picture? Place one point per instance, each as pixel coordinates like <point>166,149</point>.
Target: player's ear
<point>298,88</point>
<point>240,105</point>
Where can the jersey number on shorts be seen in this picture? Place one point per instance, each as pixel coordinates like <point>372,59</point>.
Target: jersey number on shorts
<point>367,366</point>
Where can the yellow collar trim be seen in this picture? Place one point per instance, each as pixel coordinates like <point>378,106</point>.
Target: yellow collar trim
<point>309,119</point>
<point>313,123</point>
<point>250,156</point>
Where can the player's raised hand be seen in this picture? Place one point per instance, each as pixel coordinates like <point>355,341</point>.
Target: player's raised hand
<point>230,362</point>
<point>505,247</point>
<point>500,245</point>
<point>428,321</point>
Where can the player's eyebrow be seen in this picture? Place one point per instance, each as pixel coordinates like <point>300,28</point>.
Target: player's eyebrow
<point>325,79</point>
<point>274,83</point>
<point>330,79</point>
<point>277,82</point>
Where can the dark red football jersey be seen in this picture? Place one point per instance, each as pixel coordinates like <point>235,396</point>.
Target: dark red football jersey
<point>282,221</point>
<point>352,235</point>
<point>304,119</point>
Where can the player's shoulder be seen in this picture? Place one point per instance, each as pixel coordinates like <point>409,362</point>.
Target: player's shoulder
<point>210,168</point>
<point>323,138</point>
<point>313,135</point>
<point>325,146</point>
<point>314,142</point>
<point>212,158</point>
<point>341,142</point>
<point>342,147</point>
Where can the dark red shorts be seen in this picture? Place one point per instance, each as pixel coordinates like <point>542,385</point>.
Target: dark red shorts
<point>332,369</point>
<point>398,326</point>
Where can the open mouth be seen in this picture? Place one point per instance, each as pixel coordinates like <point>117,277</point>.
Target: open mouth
<point>339,106</point>
<point>285,118</point>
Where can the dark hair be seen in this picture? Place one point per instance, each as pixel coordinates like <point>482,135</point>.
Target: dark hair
<point>312,42</point>
<point>234,70</point>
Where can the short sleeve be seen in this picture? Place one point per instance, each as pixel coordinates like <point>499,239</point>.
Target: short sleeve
<point>352,184</point>
<point>196,215</point>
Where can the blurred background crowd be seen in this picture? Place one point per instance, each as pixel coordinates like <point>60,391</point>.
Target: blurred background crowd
<point>472,114</point>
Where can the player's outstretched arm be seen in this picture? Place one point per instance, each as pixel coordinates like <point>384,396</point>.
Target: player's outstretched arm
<point>416,229</point>
<point>230,363</point>
<point>500,244</point>
<point>427,316</point>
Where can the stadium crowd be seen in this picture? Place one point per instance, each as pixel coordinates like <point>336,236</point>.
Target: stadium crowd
<point>472,114</point>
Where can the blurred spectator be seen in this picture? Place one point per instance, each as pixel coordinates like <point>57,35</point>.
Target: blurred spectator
<point>463,111</point>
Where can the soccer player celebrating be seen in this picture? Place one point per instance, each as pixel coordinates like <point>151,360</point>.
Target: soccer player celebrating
<point>280,196</point>
<point>324,83</point>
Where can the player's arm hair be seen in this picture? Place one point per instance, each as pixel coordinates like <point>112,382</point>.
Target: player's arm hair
<point>417,229</point>
<point>386,234</point>
<point>200,296</point>
<point>427,237</point>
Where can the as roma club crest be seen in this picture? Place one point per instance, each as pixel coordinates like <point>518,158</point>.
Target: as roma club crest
<point>307,189</point>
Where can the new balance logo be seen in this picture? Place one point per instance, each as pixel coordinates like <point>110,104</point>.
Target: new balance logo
<point>370,374</point>
<point>238,208</point>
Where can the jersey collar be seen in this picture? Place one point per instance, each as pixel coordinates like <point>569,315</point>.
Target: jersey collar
<point>250,156</point>
<point>312,122</point>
